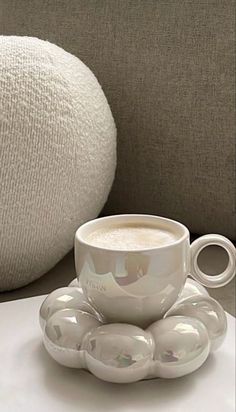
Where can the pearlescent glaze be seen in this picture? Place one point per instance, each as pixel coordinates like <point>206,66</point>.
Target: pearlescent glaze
<point>191,287</point>
<point>135,287</point>
<point>118,353</point>
<point>75,283</point>
<point>63,335</point>
<point>181,346</point>
<point>222,278</point>
<point>140,286</point>
<point>64,298</point>
<point>208,311</point>
<point>172,347</point>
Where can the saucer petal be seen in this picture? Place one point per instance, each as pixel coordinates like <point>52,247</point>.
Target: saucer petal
<point>181,346</point>
<point>191,288</point>
<point>208,311</point>
<point>64,298</point>
<point>119,353</point>
<point>64,333</point>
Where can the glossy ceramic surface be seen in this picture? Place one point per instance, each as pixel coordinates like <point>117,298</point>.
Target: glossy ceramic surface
<point>140,286</point>
<point>64,333</point>
<point>36,383</point>
<point>222,278</point>
<point>208,311</point>
<point>181,346</point>
<point>192,288</point>
<point>136,287</point>
<point>64,298</point>
<point>75,283</point>
<point>121,353</point>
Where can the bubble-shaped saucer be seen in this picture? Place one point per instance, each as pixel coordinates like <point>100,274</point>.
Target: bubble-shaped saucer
<point>76,335</point>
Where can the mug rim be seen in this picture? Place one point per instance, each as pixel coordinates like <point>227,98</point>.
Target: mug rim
<point>79,236</point>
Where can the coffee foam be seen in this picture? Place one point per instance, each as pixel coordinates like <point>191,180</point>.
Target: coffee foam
<point>128,236</point>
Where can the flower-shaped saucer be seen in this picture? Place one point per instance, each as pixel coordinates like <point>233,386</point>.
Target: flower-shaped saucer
<point>76,335</point>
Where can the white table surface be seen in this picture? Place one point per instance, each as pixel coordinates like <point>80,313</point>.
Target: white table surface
<point>30,381</point>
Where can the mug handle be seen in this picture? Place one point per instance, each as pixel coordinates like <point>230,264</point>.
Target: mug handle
<point>218,280</point>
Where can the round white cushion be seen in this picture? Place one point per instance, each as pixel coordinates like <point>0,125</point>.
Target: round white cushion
<point>57,155</point>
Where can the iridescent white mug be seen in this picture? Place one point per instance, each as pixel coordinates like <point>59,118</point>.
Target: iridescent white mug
<point>139,286</point>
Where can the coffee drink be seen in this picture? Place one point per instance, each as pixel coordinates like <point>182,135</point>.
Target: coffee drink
<point>131,236</point>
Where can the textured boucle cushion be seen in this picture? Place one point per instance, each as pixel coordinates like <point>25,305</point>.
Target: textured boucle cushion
<point>57,155</point>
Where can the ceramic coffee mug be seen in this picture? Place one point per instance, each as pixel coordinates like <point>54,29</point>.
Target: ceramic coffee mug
<point>139,286</point>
